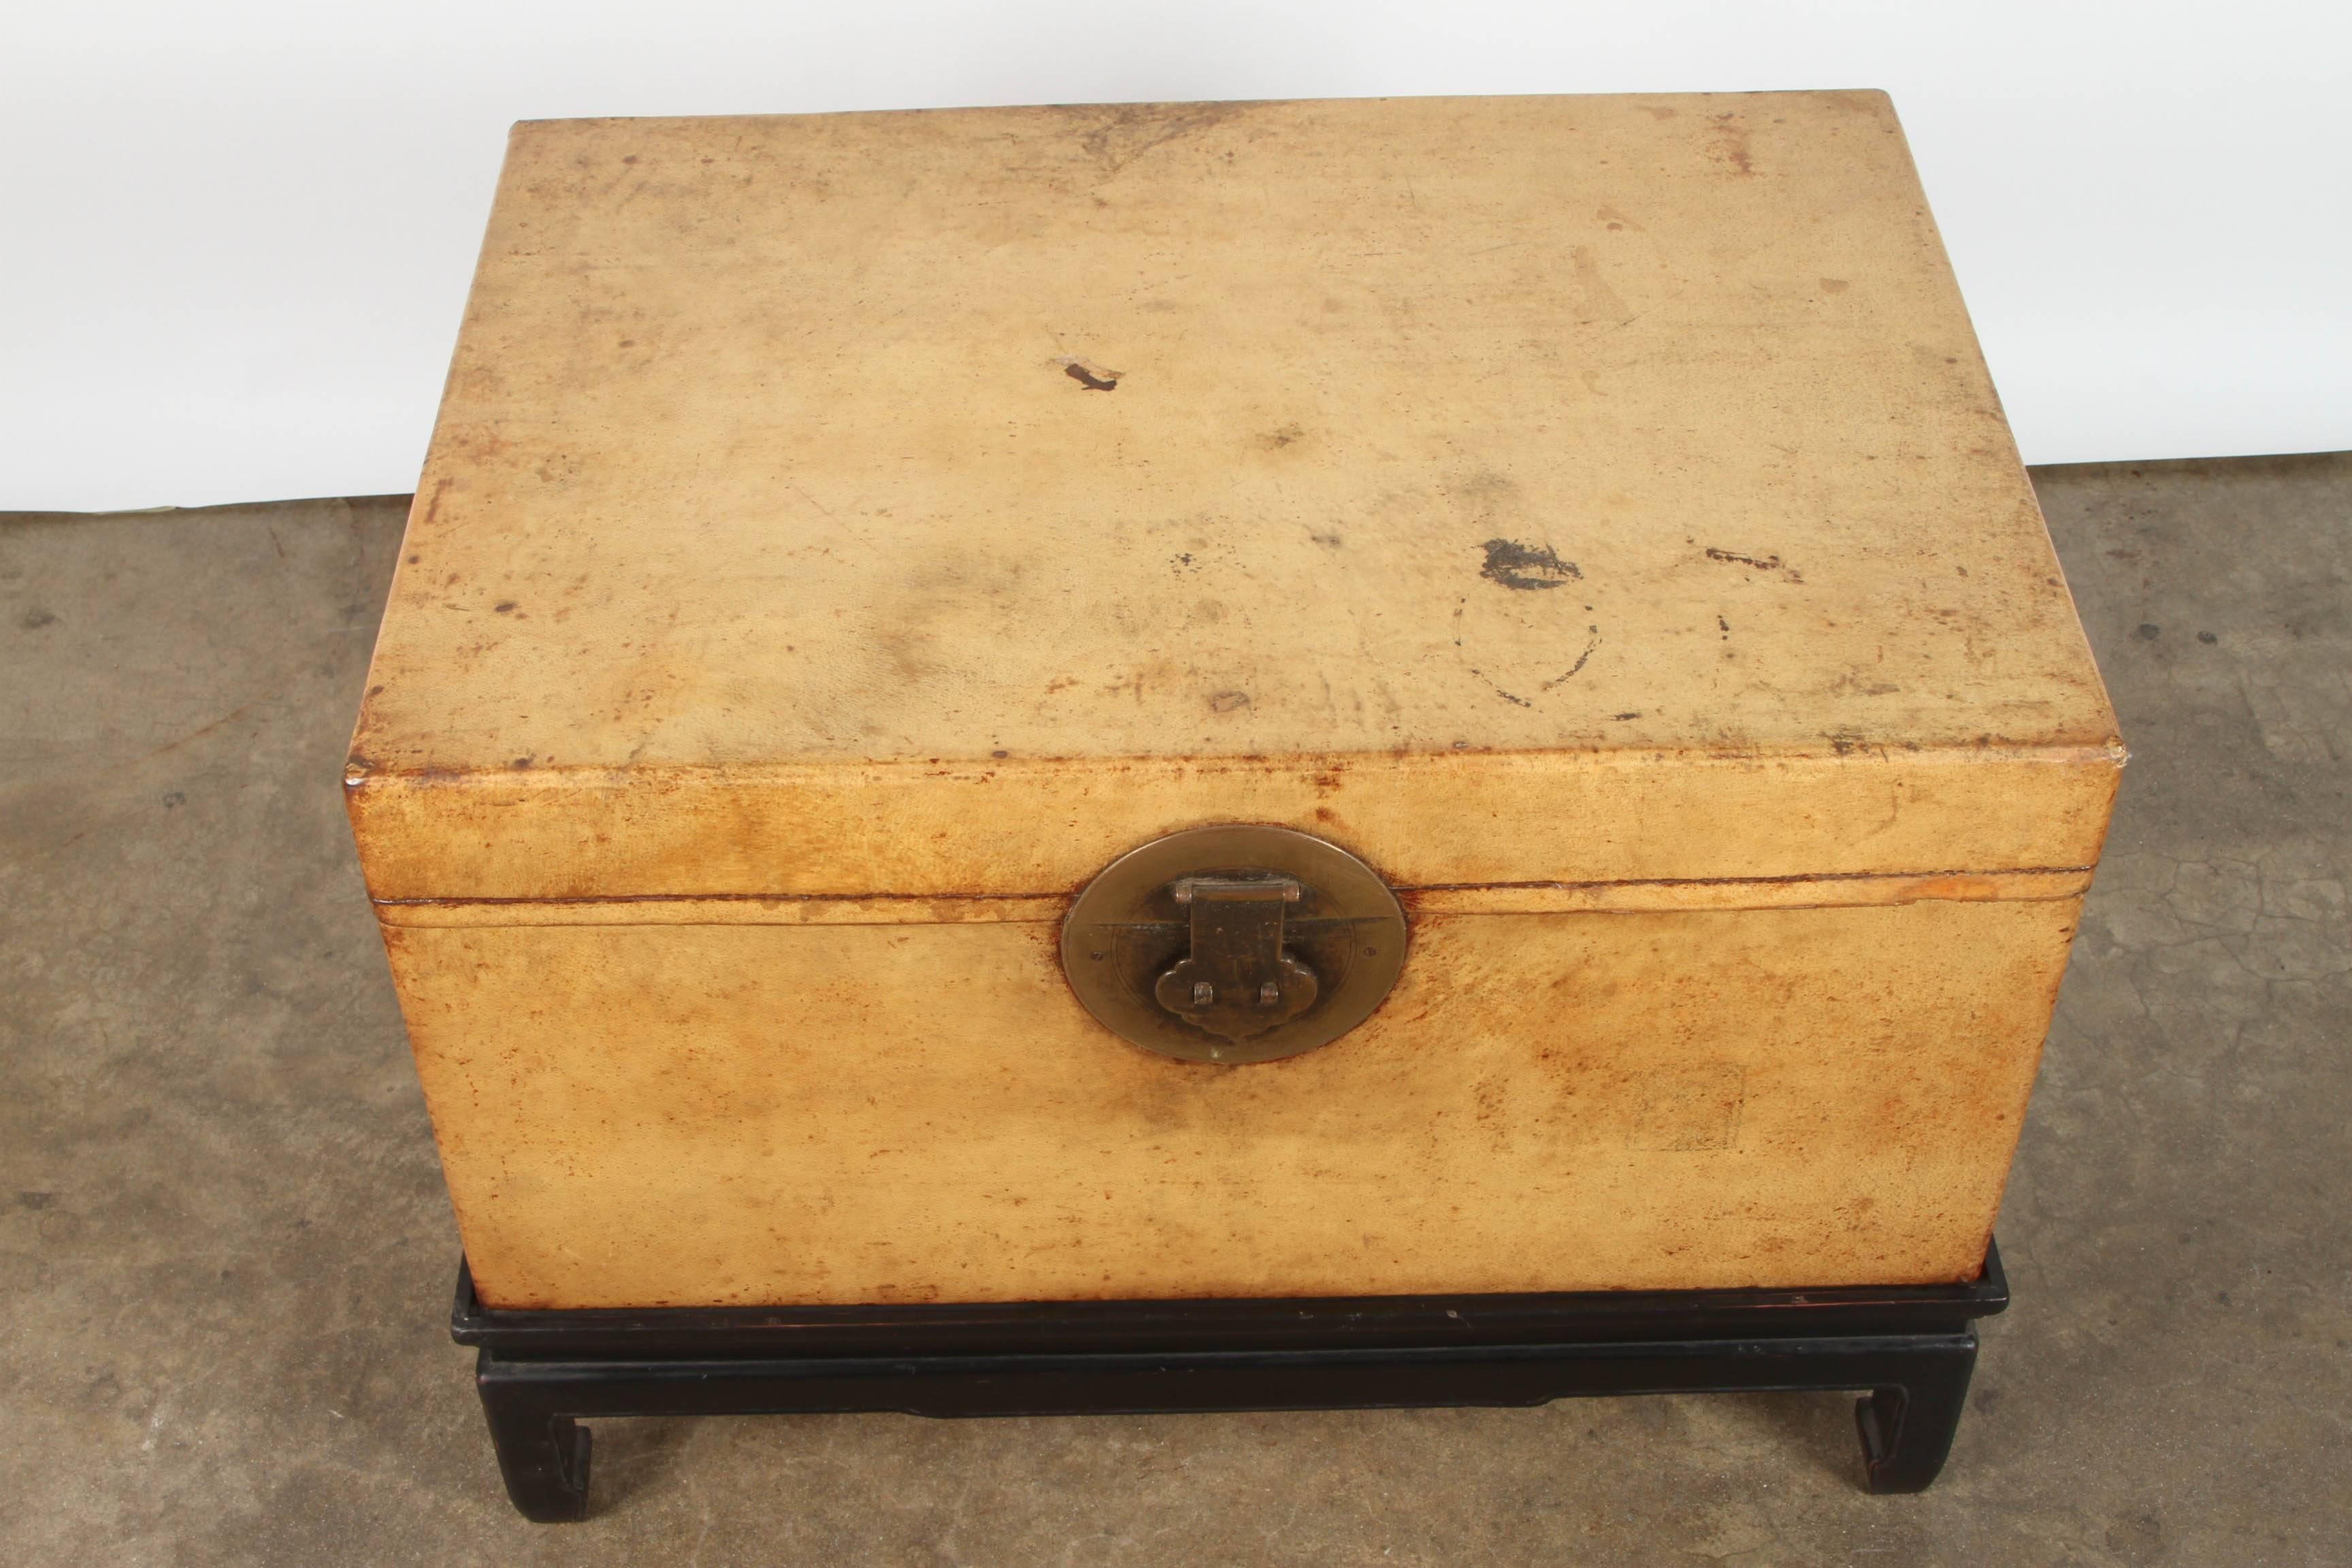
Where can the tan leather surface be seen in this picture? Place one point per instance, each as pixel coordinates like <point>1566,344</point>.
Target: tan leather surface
<point>1485,454</point>
<point>674,1114</point>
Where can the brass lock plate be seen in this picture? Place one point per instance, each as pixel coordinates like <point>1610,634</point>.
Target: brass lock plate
<point>1242,943</point>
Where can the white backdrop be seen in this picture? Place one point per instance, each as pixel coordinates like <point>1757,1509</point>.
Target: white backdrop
<point>234,238</point>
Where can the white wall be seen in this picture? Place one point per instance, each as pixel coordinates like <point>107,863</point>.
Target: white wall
<point>234,238</point>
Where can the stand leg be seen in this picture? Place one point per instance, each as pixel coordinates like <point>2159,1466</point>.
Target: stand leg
<point>1907,1426</point>
<point>543,1455</point>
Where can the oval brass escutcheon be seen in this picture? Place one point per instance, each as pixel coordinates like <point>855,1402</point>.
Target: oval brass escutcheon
<point>1246,943</point>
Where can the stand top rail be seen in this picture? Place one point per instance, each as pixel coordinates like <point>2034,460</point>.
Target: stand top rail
<point>953,1327</point>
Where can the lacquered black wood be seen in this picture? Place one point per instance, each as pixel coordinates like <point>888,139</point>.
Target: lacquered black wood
<point>1912,1347</point>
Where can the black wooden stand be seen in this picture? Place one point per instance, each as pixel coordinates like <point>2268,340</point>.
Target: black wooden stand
<point>1912,1347</point>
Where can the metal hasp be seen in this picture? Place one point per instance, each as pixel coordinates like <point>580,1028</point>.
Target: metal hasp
<point>1234,944</point>
<point>1238,982</point>
<point>1910,1347</point>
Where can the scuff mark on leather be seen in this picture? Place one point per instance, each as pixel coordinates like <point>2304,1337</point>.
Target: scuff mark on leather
<point>1506,695</point>
<point>1526,566</point>
<point>1122,132</point>
<point>1569,673</point>
<point>1093,377</point>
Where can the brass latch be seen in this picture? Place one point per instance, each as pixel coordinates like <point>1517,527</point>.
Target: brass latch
<point>1245,943</point>
<point>1238,980</point>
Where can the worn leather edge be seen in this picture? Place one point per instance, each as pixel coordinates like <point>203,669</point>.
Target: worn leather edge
<point>962,832</point>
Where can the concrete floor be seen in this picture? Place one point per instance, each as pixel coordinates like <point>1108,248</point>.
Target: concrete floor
<point>225,1258</point>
